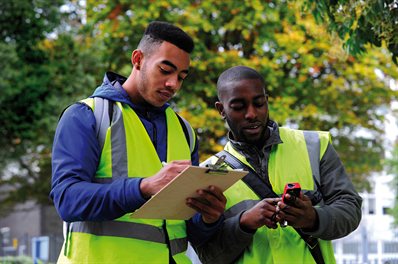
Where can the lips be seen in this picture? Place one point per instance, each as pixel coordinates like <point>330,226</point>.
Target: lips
<point>165,95</point>
<point>253,128</point>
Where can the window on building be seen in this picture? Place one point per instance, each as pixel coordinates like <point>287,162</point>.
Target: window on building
<point>372,247</point>
<point>390,260</point>
<point>372,206</point>
<point>386,210</point>
<point>351,248</point>
<point>390,247</point>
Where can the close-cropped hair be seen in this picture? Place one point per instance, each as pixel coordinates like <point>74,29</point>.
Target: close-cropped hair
<point>235,74</point>
<point>159,31</point>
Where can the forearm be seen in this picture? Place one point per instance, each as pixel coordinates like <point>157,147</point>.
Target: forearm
<point>226,245</point>
<point>86,201</point>
<point>340,213</point>
<point>198,232</point>
<point>338,220</point>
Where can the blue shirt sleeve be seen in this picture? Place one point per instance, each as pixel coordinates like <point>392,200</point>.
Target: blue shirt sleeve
<point>75,158</point>
<point>198,232</point>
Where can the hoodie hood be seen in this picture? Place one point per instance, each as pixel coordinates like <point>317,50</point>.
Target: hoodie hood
<point>111,89</point>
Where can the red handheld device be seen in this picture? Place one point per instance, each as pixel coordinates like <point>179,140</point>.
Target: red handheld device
<point>294,190</point>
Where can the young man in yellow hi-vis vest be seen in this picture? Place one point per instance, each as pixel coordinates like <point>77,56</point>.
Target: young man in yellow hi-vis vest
<point>259,227</point>
<point>109,158</point>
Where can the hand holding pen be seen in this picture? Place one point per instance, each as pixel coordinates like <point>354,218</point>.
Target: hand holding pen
<point>151,185</point>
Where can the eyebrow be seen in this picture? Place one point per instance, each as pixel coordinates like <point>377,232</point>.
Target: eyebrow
<point>255,98</point>
<point>169,63</point>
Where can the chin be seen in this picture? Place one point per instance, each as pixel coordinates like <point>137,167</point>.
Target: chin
<point>157,103</point>
<point>251,139</point>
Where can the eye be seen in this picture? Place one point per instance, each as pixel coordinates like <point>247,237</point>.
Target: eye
<point>237,106</point>
<point>182,78</point>
<point>164,70</point>
<point>259,103</point>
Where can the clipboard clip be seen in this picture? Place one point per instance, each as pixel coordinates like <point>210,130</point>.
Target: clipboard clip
<point>217,166</point>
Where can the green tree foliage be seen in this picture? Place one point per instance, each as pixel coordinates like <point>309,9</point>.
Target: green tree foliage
<point>312,81</point>
<point>40,76</point>
<point>360,22</point>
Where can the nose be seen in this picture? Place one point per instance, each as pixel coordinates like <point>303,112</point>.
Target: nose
<point>172,82</point>
<point>251,112</point>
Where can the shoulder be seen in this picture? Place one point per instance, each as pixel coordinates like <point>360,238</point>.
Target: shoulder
<point>284,131</point>
<point>183,120</point>
<point>77,112</point>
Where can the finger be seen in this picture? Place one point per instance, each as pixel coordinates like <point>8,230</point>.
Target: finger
<point>206,206</point>
<point>211,198</point>
<point>217,193</point>
<point>181,162</point>
<point>198,208</point>
<point>195,204</point>
<point>273,201</point>
<point>304,202</point>
<point>284,207</point>
<point>271,222</point>
<point>174,168</point>
<point>272,225</point>
<point>273,217</point>
<point>209,214</point>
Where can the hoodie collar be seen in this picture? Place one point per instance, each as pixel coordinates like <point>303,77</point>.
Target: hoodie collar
<point>112,89</point>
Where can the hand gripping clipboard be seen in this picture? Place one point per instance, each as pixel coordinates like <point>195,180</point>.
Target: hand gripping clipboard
<point>169,202</point>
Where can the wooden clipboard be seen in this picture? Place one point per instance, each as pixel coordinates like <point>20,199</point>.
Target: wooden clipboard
<point>169,202</point>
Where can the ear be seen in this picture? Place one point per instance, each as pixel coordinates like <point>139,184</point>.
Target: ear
<point>220,108</point>
<point>136,58</point>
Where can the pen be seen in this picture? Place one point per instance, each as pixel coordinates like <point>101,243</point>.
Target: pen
<point>164,163</point>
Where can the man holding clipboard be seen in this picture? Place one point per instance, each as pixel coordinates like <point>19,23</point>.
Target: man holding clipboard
<point>100,176</point>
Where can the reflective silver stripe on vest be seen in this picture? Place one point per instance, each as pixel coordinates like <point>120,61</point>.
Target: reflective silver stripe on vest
<point>313,147</point>
<point>119,146</point>
<point>130,230</point>
<point>101,115</point>
<point>121,229</point>
<point>178,245</point>
<point>191,135</point>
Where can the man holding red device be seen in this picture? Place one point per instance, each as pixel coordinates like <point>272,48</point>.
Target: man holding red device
<point>326,206</point>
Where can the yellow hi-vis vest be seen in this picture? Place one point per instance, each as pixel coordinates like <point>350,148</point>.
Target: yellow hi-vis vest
<point>288,162</point>
<point>128,152</point>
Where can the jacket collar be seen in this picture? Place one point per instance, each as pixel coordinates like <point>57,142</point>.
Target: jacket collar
<point>112,89</point>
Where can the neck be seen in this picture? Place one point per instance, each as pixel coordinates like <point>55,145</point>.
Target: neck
<point>131,88</point>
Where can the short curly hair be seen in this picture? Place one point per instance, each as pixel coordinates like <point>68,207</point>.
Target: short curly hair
<point>159,31</point>
<point>237,73</point>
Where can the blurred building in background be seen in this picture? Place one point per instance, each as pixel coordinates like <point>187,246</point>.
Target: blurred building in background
<point>375,240</point>
<point>31,230</point>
